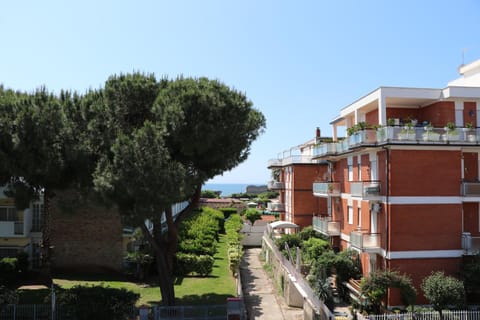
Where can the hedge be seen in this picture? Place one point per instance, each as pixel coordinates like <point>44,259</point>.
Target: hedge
<point>234,248</point>
<point>190,263</point>
<point>96,302</point>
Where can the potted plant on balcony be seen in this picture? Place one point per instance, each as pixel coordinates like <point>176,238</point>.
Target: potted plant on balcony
<point>470,134</point>
<point>451,132</point>
<point>429,134</point>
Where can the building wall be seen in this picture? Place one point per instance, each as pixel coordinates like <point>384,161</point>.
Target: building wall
<point>425,227</point>
<point>471,217</point>
<point>438,113</point>
<point>470,166</point>
<point>87,239</point>
<point>416,173</point>
<point>372,117</point>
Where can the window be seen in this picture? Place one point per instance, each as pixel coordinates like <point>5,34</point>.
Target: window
<point>37,217</point>
<point>8,214</point>
<point>350,215</point>
<point>359,166</point>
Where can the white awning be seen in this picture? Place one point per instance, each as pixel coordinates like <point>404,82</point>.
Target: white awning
<point>283,224</point>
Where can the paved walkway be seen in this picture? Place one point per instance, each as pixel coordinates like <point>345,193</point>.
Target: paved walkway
<point>261,300</point>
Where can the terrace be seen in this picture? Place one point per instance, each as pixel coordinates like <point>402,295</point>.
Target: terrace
<point>404,135</point>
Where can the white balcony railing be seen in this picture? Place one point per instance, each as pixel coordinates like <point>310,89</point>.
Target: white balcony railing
<point>365,189</point>
<point>399,135</point>
<point>326,189</point>
<point>276,185</point>
<point>12,228</point>
<point>325,226</point>
<point>365,241</point>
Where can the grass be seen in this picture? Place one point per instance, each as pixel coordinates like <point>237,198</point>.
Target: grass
<point>190,290</point>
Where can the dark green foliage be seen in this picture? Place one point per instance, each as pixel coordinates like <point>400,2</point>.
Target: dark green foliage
<point>314,248</point>
<point>470,273</point>
<point>210,194</point>
<point>268,195</point>
<point>198,234</point>
<point>232,228</point>
<point>375,287</point>
<point>443,291</point>
<point>8,271</point>
<point>344,265</point>
<point>97,302</point>
<point>228,211</point>
<point>308,233</point>
<point>22,262</point>
<point>291,239</point>
<point>252,215</point>
<point>186,263</point>
<point>7,296</point>
<point>243,195</point>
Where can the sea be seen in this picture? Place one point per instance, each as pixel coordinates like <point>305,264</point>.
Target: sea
<point>227,188</point>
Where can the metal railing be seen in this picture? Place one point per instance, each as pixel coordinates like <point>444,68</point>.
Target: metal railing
<point>433,315</point>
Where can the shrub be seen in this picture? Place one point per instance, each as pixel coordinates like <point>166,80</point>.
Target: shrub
<point>291,239</point>
<point>234,249</point>
<point>199,233</point>
<point>8,271</point>
<point>7,296</point>
<point>190,263</point>
<point>253,215</point>
<point>97,302</point>
<point>228,211</point>
<point>443,291</point>
<point>314,248</point>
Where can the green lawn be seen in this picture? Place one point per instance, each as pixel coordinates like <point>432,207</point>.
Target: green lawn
<point>189,290</point>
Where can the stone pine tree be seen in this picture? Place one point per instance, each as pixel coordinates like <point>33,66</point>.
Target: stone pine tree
<point>168,138</point>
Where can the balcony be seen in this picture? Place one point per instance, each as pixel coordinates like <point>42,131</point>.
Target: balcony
<point>365,189</point>
<point>470,245</point>
<point>274,163</point>
<point>471,189</point>
<point>276,207</point>
<point>11,228</point>
<point>399,135</point>
<point>368,242</point>
<point>325,226</point>
<point>276,185</point>
<point>326,189</point>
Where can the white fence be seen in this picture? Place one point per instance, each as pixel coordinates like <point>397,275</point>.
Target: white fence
<point>447,315</point>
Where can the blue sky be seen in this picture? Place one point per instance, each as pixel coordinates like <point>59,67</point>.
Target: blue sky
<point>299,62</point>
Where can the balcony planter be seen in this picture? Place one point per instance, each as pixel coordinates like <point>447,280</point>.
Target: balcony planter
<point>431,136</point>
<point>407,133</point>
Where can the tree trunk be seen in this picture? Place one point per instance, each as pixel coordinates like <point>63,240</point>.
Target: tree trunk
<point>165,278</point>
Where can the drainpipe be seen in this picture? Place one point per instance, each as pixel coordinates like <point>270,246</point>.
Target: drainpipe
<point>386,211</point>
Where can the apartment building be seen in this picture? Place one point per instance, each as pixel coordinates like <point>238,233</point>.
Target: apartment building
<point>294,171</point>
<point>403,187</point>
<point>20,230</point>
